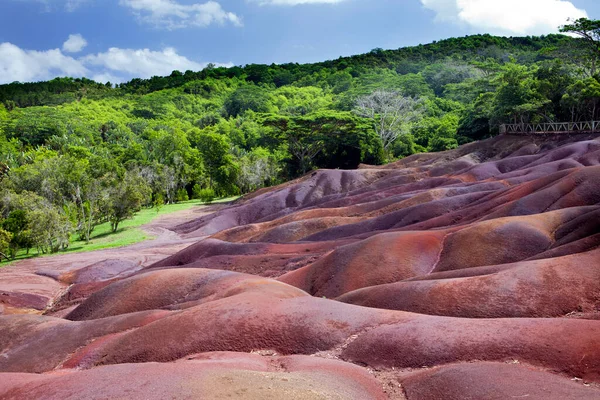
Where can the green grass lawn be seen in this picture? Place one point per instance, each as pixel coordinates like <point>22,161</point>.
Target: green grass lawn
<point>129,231</point>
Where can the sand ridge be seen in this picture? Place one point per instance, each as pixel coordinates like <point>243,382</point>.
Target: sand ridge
<point>472,273</point>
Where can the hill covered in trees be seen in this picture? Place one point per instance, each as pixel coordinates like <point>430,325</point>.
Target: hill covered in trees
<point>75,153</point>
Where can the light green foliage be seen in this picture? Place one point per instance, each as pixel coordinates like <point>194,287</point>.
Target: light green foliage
<point>36,221</point>
<point>18,225</point>
<point>214,149</point>
<point>291,100</point>
<point>50,229</point>
<point>159,201</point>
<point>5,239</point>
<point>206,195</point>
<point>84,157</point>
<point>182,195</point>
<point>582,99</point>
<point>518,98</point>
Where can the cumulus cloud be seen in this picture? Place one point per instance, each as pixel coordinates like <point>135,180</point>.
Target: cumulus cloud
<point>142,63</point>
<point>21,65</point>
<point>106,77</point>
<point>518,17</point>
<point>169,14</point>
<point>115,65</point>
<point>74,44</point>
<point>294,2</point>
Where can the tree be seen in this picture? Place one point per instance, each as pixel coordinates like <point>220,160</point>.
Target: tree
<point>518,99</point>
<point>127,197</point>
<point>248,97</point>
<point>589,32</point>
<point>5,239</point>
<point>441,74</point>
<point>304,136</point>
<point>50,229</point>
<point>18,225</point>
<point>582,99</point>
<point>390,112</point>
<point>257,169</point>
<point>93,200</point>
<point>329,135</point>
<point>218,162</point>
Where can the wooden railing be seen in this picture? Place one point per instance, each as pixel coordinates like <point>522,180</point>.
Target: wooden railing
<point>550,128</point>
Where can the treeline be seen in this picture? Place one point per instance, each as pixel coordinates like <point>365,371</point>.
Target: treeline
<point>51,93</point>
<point>404,60</point>
<point>75,153</point>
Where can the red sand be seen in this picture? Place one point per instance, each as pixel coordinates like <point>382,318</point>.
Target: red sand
<point>472,273</point>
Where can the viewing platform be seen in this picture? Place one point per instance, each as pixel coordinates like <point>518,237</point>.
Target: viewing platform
<point>550,128</point>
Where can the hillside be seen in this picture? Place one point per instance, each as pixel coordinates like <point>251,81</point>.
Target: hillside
<point>76,153</point>
<point>470,273</point>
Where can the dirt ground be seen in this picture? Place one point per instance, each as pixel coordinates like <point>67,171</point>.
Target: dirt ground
<point>39,276</point>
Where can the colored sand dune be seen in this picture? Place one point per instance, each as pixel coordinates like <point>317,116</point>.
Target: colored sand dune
<point>467,274</point>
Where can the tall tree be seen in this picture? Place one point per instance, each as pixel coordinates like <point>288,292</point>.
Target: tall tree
<point>518,99</point>
<point>391,113</point>
<point>589,32</point>
<point>218,162</point>
<point>127,197</point>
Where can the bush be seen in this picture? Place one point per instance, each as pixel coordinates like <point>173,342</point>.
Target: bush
<point>5,238</point>
<point>159,201</point>
<point>196,191</point>
<point>442,144</point>
<point>181,195</point>
<point>206,195</point>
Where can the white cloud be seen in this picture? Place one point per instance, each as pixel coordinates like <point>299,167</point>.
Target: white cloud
<point>21,65</point>
<point>74,44</point>
<point>294,2</point>
<point>106,77</point>
<point>520,17</point>
<point>115,65</point>
<point>72,5</point>
<point>169,14</point>
<point>142,63</point>
<point>51,5</point>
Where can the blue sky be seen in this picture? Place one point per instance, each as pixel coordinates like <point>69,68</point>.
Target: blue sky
<point>117,40</point>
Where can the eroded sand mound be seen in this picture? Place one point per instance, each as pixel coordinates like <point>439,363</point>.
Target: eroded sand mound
<point>468,274</point>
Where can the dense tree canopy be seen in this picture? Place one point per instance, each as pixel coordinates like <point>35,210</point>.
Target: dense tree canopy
<point>75,153</point>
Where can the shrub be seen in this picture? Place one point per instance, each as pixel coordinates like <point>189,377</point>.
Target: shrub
<point>182,195</point>
<point>196,191</point>
<point>159,201</point>
<point>206,195</point>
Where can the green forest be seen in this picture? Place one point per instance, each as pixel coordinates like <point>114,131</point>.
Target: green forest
<point>75,153</point>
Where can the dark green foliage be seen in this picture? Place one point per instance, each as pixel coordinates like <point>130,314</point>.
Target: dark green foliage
<point>246,98</point>
<point>54,92</point>
<point>17,225</point>
<point>75,153</point>
<point>589,32</point>
<point>127,197</point>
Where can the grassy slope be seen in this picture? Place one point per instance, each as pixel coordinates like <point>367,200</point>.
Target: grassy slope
<point>129,231</point>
